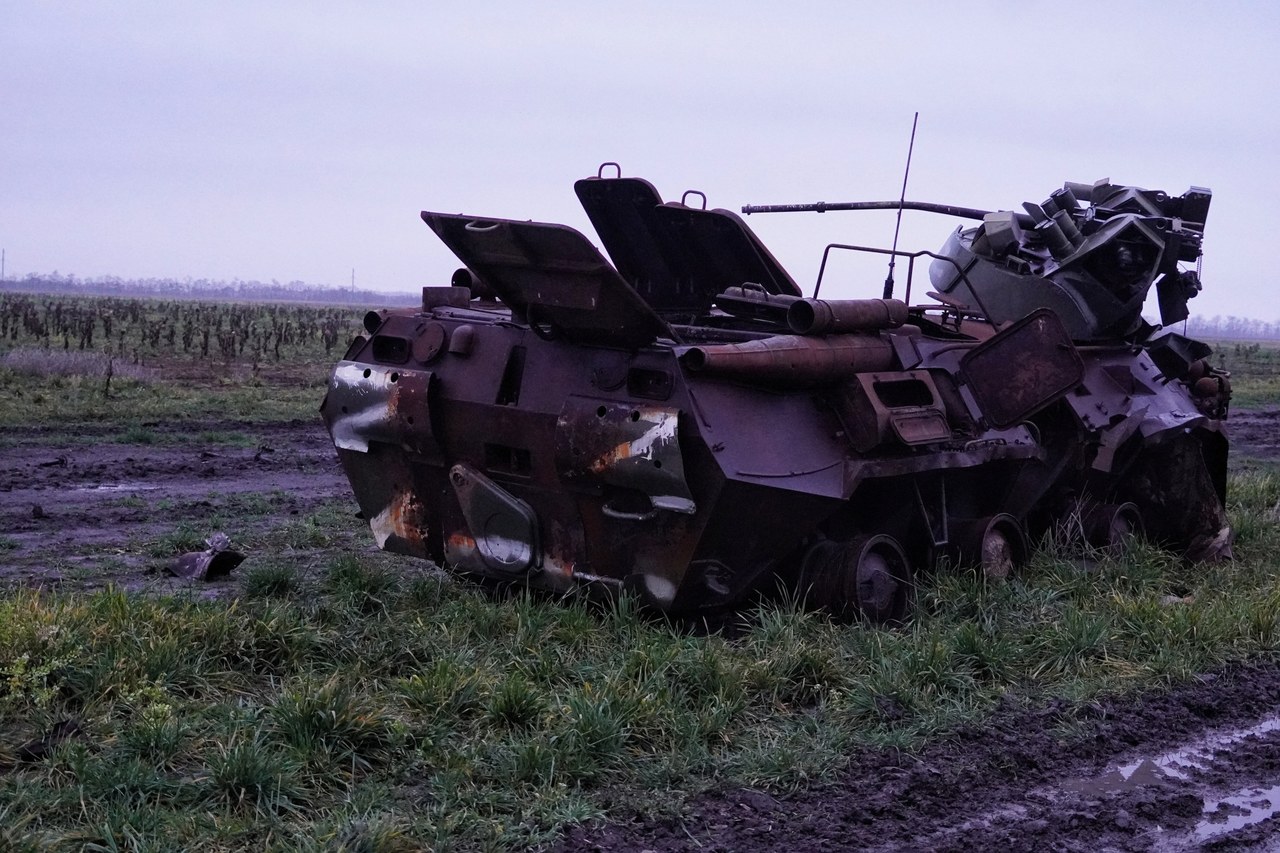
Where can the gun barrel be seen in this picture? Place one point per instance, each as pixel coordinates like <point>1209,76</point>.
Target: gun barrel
<point>824,206</point>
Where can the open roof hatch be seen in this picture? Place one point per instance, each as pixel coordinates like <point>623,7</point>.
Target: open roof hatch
<point>552,278</point>
<point>678,258</point>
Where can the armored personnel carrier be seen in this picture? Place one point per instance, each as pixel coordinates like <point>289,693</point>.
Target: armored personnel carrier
<point>683,423</point>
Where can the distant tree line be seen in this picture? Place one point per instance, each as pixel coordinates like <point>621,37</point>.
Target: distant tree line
<point>203,288</point>
<point>1232,328</point>
<point>1217,327</point>
<point>146,328</point>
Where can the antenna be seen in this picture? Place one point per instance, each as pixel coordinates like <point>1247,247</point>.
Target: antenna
<point>902,199</point>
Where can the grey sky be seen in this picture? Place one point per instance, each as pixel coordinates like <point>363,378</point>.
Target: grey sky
<point>298,140</point>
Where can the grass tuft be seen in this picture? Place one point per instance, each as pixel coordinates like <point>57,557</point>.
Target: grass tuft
<point>365,588</point>
<point>374,833</point>
<point>180,540</point>
<point>272,580</point>
<point>331,723</point>
<point>515,703</point>
<point>250,772</point>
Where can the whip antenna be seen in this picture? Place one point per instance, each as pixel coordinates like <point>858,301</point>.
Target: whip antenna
<point>902,200</point>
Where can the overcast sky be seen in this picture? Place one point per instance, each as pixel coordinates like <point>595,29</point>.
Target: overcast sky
<point>296,141</point>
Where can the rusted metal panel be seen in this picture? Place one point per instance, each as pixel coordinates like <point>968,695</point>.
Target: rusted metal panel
<point>900,406</point>
<point>503,530</point>
<point>375,403</point>
<point>630,446</point>
<point>1022,369</point>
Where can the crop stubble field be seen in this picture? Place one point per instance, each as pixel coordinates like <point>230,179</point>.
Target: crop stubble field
<point>326,696</point>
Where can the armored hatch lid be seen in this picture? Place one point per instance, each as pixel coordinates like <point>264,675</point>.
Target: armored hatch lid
<point>552,278</point>
<point>726,253</point>
<point>678,258</point>
<point>624,213</point>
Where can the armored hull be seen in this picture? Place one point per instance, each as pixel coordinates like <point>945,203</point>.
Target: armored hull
<point>683,424</point>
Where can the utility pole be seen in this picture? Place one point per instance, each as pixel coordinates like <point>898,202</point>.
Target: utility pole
<point>1,264</point>
<point>353,284</point>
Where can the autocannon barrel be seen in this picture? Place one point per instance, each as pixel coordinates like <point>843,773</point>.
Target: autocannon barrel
<point>828,316</point>
<point>791,359</point>
<point>824,206</point>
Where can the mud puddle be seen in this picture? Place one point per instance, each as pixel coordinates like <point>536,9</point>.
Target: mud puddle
<point>1178,764</point>
<point>117,487</point>
<point>1217,754</point>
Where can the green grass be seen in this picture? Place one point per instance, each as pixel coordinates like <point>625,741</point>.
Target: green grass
<point>27,401</point>
<point>138,435</point>
<point>375,710</point>
<point>254,520</point>
<point>319,529</point>
<point>131,374</point>
<point>231,438</point>
<point>184,537</point>
<point>271,580</point>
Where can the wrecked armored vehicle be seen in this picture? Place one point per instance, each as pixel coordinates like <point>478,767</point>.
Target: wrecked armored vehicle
<point>685,424</point>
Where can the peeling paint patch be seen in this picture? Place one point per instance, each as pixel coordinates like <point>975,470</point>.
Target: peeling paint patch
<point>401,518</point>
<point>660,434</point>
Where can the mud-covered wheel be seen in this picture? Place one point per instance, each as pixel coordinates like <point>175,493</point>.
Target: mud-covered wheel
<point>996,546</point>
<point>1111,527</point>
<point>868,577</point>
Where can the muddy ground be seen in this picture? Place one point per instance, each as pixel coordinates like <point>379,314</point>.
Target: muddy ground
<point>1196,768</point>
<point>87,511</point>
<point>1255,434</point>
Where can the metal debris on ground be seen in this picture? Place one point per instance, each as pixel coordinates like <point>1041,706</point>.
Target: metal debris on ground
<point>215,561</point>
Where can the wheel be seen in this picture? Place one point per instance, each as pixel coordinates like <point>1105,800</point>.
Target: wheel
<point>1110,527</point>
<point>868,577</point>
<point>995,546</point>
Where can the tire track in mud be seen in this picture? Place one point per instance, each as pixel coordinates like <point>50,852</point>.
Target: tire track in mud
<point>1195,768</point>
<point>1216,791</point>
<point>1255,433</point>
